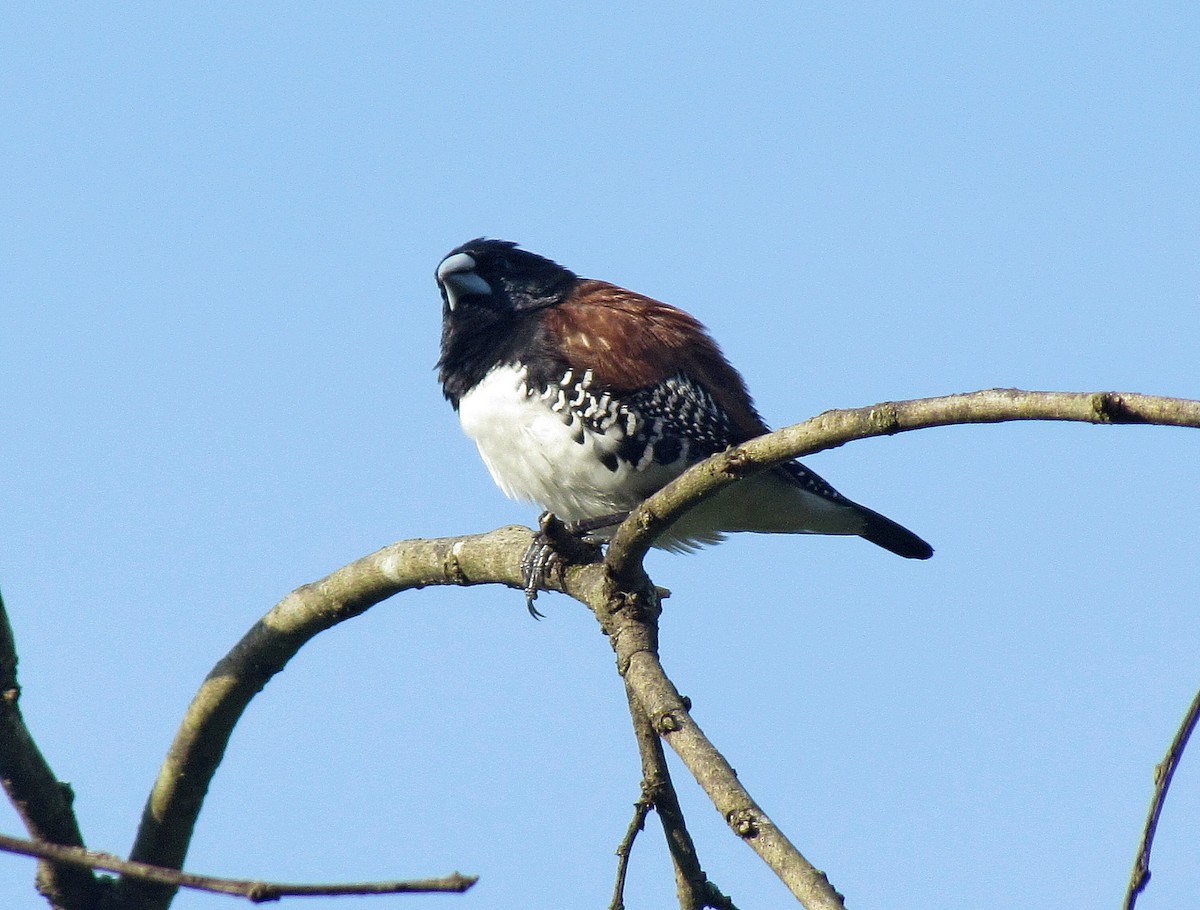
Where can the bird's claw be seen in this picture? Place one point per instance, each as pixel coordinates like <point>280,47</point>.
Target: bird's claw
<point>539,561</point>
<point>554,545</point>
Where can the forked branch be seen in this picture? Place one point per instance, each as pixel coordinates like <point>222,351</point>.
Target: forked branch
<point>617,591</point>
<point>495,558</point>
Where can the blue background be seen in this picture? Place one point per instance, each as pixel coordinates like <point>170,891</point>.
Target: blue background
<point>218,329</point>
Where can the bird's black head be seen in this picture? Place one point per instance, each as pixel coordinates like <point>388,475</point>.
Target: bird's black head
<point>491,294</point>
<point>499,276</point>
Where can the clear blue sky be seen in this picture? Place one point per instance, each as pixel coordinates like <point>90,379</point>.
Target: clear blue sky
<point>218,226</point>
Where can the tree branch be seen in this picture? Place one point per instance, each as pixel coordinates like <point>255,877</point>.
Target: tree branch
<point>835,428</point>
<point>692,884</point>
<point>636,646</point>
<point>174,803</point>
<point>1163,772</point>
<point>636,825</point>
<point>41,799</point>
<point>626,616</point>
<point>256,891</point>
<point>618,593</point>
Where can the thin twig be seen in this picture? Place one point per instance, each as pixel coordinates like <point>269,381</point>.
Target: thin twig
<point>1163,772</point>
<point>641,809</point>
<point>255,891</point>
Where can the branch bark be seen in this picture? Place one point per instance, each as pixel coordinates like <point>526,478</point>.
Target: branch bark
<point>694,889</point>
<point>835,428</point>
<point>174,803</point>
<point>637,655</point>
<point>627,617</point>
<point>617,591</point>
<point>1163,772</point>
<point>41,799</point>
<point>251,889</point>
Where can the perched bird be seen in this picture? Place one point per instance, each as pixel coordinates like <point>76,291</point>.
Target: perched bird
<point>586,398</point>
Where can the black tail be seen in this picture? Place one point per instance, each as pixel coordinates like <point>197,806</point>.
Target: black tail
<point>883,532</point>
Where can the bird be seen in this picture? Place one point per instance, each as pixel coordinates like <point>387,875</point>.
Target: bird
<point>586,398</point>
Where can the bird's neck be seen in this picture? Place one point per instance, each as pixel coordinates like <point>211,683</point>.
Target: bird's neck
<point>470,352</point>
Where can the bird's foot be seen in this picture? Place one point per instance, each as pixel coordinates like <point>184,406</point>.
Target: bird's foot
<point>539,561</point>
<point>556,545</point>
<point>585,529</point>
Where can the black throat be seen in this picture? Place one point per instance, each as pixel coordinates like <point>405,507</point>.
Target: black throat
<point>507,326</point>
<point>477,339</point>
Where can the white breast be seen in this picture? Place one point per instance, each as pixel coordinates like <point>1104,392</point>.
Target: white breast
<point>543,454</point>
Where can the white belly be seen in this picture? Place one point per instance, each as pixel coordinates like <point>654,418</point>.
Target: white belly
<point>535,453</point>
